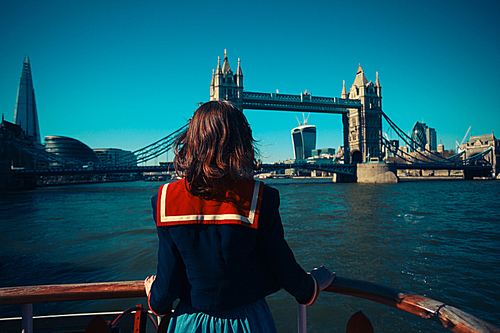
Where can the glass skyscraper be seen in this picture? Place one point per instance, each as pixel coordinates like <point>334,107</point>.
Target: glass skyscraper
<point>423,135</point>
<point>25,114</point>
<point>304,141</point>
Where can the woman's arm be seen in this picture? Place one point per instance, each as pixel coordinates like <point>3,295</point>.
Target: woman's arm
<point>167,285</point>
<point>304,287</point>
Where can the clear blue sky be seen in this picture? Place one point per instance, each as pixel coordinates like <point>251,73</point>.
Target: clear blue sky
<point>124,74</point>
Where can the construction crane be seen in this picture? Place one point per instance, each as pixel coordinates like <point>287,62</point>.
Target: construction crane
<point>305,119</point>
<point>459,145</point>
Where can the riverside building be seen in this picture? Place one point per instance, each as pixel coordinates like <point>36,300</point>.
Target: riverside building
<point>70,149</point>
<point>114,157</point>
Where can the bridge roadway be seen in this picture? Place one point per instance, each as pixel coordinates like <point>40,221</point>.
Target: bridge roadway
<point>437,166</point>
<point>92,170</point>
<point>350,169</point>
<point>345,169</point>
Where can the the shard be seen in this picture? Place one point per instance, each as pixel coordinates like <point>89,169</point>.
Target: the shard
<point>25,114</point>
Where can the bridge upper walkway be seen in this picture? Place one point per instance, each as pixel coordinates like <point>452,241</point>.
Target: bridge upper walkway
<point>300,103</point>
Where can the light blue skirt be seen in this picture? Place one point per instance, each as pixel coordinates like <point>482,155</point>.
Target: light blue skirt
<point>255,317</point>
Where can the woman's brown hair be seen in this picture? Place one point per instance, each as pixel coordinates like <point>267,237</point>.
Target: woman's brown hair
<point>217,149</point>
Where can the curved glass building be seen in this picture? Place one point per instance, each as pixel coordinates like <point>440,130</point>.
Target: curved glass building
<point>304,141</point>
<point>70,149</point>
<point>418,137</point>
<point>423,137</point>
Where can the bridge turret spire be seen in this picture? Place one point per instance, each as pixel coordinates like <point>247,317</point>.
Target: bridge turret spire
<point>378,87</point>
<point>360,81</point>
<point>238,71</point>
<point>344,91</point>
<point>226,69</point>
<point>215,90</point>
<point>219,69</point>
<point>239,86</point>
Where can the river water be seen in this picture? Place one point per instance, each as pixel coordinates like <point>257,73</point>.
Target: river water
<point>438,239</point>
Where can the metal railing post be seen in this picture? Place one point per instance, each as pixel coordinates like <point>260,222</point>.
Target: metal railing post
<point>27,322</point>
<point>301,312</point>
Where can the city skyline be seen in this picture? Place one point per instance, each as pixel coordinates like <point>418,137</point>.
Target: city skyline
<point>123,74</point>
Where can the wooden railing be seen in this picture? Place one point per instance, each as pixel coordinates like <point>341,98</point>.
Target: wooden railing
<point>449,317</point>
<point>71,292</point>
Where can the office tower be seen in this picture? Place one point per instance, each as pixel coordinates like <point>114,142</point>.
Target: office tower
<point>431,136</point>
<point>423,135</point>
<point>25,114</point>
<point>304,141</point>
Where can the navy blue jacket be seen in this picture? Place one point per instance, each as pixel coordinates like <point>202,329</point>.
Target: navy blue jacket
<point>223,267</point>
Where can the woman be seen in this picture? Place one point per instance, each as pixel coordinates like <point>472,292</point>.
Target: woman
<point>221,243</point>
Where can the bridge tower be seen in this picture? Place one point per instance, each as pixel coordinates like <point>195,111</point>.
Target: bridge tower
<point>227,86</point>
<point>365,124</point>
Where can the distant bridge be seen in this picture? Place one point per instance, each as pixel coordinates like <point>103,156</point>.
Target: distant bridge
<point>92,170</point>
<point>346,169</point>
<point>343,169</point>
<point>420,160</point>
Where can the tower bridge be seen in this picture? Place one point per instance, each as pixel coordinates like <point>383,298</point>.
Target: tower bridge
<point>361,111</point>
<point>361,107</point>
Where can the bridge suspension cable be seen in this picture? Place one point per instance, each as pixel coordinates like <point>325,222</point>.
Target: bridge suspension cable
<point>427,155</point>
<point>477,157</point>
<point>456,156</point>
<point>410,142</point>
<point>411,158</point>
<point>151,151</point>
<point>141,155</point>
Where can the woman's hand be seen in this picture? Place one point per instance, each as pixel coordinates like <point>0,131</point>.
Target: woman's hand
<point>323,276</point>
<point>148,283</point>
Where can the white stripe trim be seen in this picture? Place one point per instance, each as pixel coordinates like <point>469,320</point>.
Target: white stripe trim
<point>315,293</point>
<point>163,201</point>
<point>218,217</point>
<point>255,199</point>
